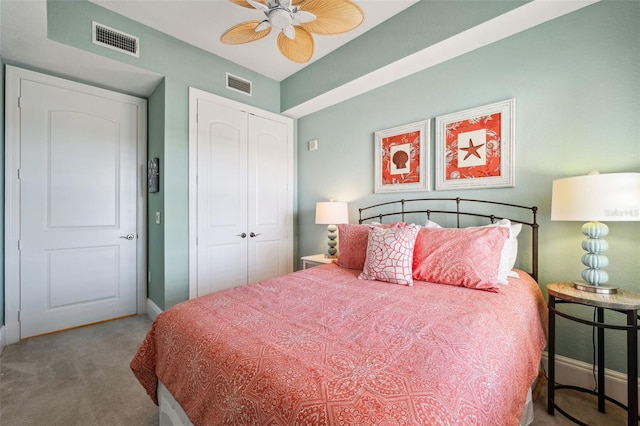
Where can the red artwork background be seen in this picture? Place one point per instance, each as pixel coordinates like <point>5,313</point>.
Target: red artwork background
<point>491,123</point>
<point>414,158</point>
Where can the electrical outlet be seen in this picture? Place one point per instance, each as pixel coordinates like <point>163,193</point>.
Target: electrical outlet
<point>158,218</point>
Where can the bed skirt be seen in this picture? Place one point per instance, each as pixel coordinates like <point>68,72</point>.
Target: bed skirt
<point>171,414</point>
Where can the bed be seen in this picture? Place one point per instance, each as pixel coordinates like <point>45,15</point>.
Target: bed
<point>329,345</point>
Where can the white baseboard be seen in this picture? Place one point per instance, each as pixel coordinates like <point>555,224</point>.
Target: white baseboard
<point>570,371</point>
<point>153,310</point>
<point>3,338</point>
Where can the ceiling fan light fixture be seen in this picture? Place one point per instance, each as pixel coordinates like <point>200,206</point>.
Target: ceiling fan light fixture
<point>302,17</point>
<point>260,6</point>
<point>290,32</point>
<point>262,26</point>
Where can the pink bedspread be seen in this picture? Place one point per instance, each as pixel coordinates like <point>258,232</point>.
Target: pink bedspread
<point>321,347</point>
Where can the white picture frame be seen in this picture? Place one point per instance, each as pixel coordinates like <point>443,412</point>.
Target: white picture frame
<point>486,137</point>
<point>402,157</point>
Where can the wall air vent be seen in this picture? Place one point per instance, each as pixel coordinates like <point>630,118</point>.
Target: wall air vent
<point>116,40</point>
<point>238,84</point>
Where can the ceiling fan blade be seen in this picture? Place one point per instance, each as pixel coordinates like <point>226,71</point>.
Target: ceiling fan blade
<point>246,4</point>
<point>244,32</point>
<point>332,16</point>
<point>299,49</point>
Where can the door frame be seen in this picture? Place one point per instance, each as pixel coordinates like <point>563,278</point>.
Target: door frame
<point>13,76</point>
<point>194,96</point>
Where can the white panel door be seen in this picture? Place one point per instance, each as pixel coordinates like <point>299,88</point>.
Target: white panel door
<point>78,204</point>
<point>269,212</point>
<point>221,197</point>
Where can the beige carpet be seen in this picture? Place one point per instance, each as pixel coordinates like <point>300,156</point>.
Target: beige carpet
<point>82,377</point>
<point>76,377</point>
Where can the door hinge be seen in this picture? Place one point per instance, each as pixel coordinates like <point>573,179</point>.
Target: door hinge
<point>19,245</point>
<point>19,174</point>
<point>19,316</point>
<point>20,102</point>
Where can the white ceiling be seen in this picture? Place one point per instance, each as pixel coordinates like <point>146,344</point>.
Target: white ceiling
<point>23,41</point>
<point>201,23</point>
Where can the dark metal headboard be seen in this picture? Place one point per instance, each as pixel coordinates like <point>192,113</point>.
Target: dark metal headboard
<point>472,208</point>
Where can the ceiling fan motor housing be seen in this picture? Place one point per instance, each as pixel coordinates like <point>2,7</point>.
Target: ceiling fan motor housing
<point>280,18</point>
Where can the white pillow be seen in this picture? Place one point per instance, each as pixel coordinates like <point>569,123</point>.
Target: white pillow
<point>509,251</point>
<point>431,224</point>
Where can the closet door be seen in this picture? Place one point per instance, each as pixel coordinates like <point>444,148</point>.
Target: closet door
<point>268,208</point>
<point>240,194</point>
<point>221,197</point>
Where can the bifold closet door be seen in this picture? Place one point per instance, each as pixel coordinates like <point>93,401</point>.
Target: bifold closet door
<point>243,198</point>
<point>268,196</point>
<point>222,198</point>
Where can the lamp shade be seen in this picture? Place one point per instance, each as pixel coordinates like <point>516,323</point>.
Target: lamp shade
<point>332,213</point>
<point>608,197</point>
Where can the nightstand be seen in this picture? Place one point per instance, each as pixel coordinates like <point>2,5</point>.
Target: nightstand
<point>622,302</point>
<point>315,260</point>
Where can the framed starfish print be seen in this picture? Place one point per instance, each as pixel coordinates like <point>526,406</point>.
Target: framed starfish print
<point>475,147</point>
<point>401,158</point>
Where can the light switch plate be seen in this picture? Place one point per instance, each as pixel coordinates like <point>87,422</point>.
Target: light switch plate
<point>313,145</point>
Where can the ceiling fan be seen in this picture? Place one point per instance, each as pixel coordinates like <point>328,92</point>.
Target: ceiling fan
<point>295,20</point>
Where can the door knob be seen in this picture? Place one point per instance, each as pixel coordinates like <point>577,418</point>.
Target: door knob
<point>128,236</point>
<point>243,235</point>
<point>253,235</point>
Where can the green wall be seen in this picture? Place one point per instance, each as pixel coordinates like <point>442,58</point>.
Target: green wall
<point>155,201</point>
<point>2,191</point>
<point>576,83</point>
<point>182,66</point>
<point>423,24</point>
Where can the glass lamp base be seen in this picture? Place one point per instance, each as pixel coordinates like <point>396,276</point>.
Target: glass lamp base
<point>601,289</point>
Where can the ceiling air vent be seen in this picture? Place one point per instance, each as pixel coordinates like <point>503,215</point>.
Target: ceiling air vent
<point>238,84</point>
<point>116,40</point>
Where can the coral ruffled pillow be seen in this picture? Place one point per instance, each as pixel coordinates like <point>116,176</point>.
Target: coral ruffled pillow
<point>390,255</point>
<point>352,243</point>
<point>468,257</point>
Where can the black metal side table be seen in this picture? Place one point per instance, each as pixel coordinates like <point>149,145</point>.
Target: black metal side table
<point>625,302</point>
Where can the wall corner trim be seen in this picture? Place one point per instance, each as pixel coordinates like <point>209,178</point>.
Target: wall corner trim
<point>153,310</point>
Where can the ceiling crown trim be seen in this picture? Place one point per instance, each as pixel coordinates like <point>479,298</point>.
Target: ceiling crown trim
<point>517,20</point>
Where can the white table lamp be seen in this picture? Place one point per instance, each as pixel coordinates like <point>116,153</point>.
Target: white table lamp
<point>332,213</point>
<point>611,197</point>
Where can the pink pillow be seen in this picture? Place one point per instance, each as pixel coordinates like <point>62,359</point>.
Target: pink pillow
<point>352,243</point>
<point>390,255</point>
<point>467,257</point>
